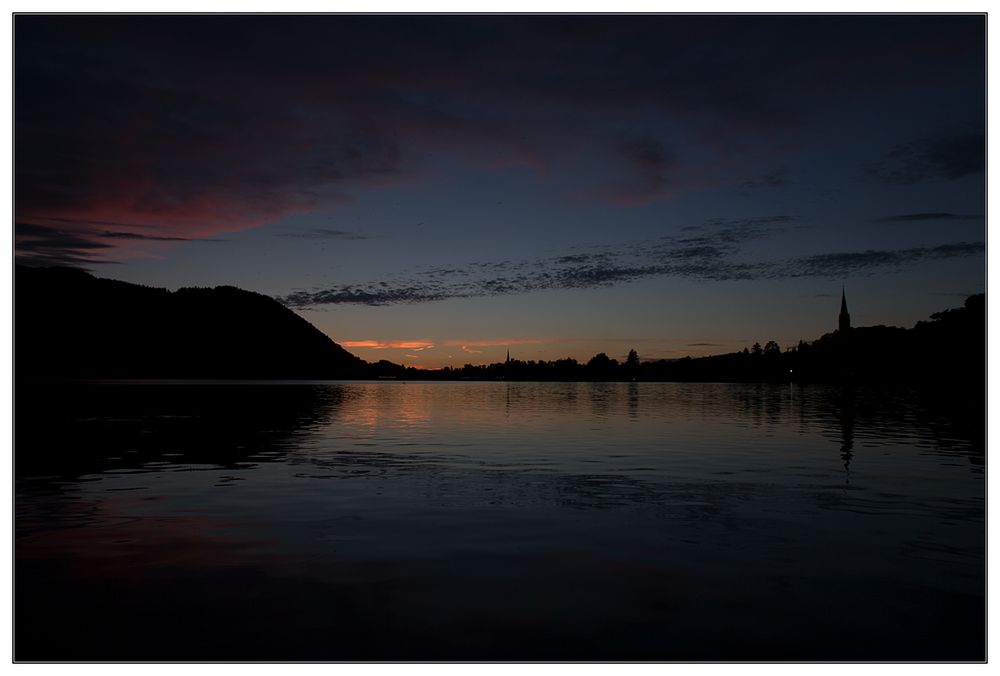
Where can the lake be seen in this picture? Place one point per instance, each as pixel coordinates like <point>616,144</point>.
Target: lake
<point>497,521</point>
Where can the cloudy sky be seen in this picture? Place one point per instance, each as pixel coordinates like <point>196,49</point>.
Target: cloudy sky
<point>434,189</point>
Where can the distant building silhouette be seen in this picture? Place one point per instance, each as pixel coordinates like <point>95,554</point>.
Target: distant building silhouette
<point>845,316</point>
<point>844,324</point>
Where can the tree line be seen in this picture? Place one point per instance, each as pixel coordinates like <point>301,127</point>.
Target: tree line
<point>950,346</point>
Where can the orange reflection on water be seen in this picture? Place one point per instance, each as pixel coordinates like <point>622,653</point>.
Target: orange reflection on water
<point>388,405</point>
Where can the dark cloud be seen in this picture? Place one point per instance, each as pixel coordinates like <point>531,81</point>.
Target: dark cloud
<point>651,160</point>
<point>72,243</point>
<point>151,238</point>
<point>370,296</point>
<point>849,263</point>
<point>199,125</point>
<point>42,245</point>
<point>585,277</point>
<point>928,216</point>
<point>706,250</point>
<point>765,181</point>
<point>709,256</point>
<point>176,134</point>
<point>62,260</point>
<point>650,171</point>
<point>322,233</point>
<point>575,258</point>
<point>734,231</point>
<point>945,157</point>
<point>78,221</point>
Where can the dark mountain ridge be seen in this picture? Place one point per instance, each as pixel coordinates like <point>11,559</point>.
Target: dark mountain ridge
<point>70,324</point>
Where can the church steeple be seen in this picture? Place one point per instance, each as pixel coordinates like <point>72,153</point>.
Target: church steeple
<point>845,316</point>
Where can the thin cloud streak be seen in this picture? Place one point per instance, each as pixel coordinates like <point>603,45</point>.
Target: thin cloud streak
<point>929,216</point>
<point>711,251</point>
<point>70,242</point>
<point>419,345</point>
<point>322,233</point>
<point>499,342</point>
<point>152,238</point>
<point>390,344</point>
<point>941,156</point>
<point>701,253</point>
<point>84,221</point>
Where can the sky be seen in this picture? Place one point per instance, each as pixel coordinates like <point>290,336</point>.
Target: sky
<point>436,190</point>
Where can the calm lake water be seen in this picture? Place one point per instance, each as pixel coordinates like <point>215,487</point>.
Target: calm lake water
<point>497,521</point>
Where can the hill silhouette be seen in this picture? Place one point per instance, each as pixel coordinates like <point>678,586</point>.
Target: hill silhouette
<point>70,324</point>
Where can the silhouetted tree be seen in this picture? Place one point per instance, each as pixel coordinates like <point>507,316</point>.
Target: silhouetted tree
<point>598,361</point>
<point>756,349</point>
<point>601,367</point>
<point>631,365</point>
<point>772,348</point>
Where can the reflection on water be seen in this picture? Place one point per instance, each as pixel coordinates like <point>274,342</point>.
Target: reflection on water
<point>563,521</point>
<point>846,415</point>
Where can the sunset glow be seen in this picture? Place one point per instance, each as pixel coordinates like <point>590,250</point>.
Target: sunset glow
<point>391,344</point>
<point>641,195</point>
<point>496,338</point>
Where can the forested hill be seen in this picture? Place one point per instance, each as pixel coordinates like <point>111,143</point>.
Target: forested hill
<point>68,323</point>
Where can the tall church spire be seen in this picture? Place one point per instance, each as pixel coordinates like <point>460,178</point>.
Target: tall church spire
<point>845,316</point>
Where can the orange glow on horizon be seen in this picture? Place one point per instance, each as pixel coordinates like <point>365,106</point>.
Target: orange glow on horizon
<point>419,345</point>
<point>390,344</point>
<point>449,353</point>
<point>497,342</point>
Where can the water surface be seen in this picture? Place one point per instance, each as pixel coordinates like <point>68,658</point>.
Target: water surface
<point>496,521</point>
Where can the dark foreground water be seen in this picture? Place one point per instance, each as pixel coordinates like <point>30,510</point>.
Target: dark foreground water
<point>495,521</point>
